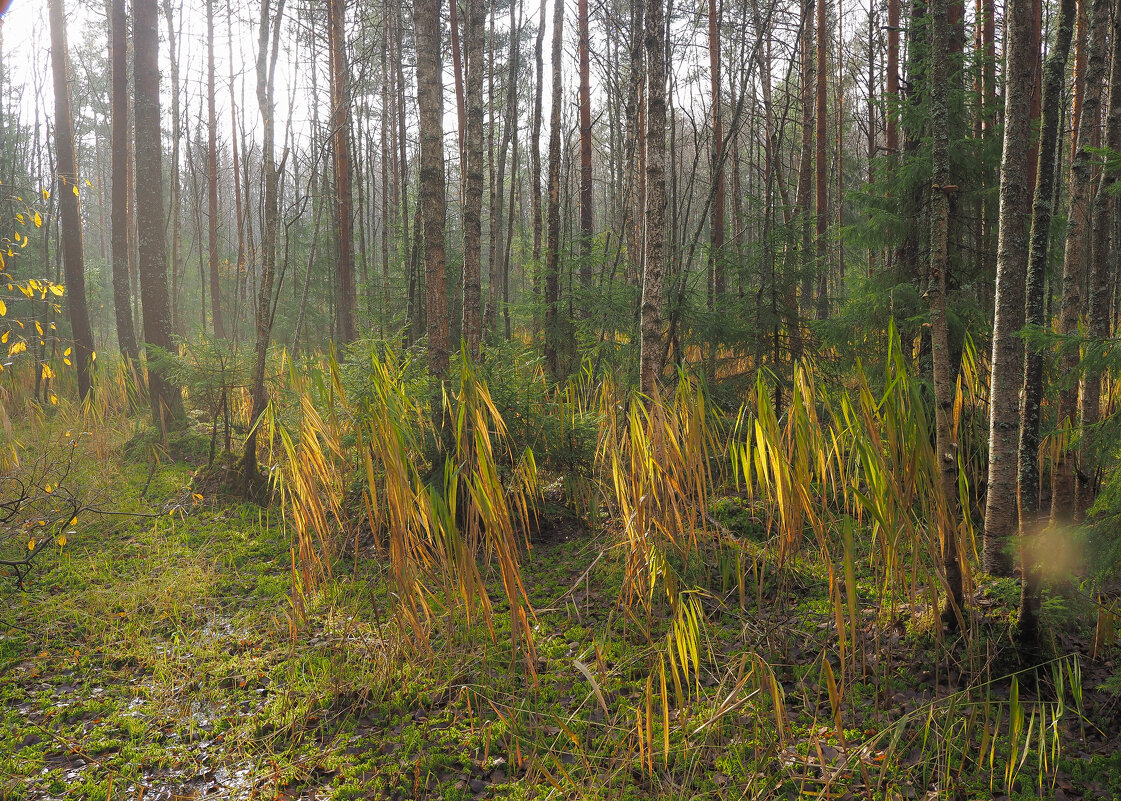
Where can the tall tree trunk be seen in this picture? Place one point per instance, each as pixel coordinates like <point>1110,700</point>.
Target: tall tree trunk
<point>821,162</point>
<point>891,82</point>
<point>654,264</point>
<point>239,212</point>
<point>500,255</point>
<point>267,46</point>
<point>1099,305</point>
<point>167,403</point>
<point>119,216</point>
<point>340,151</point>
<point>552,245</point>
<point>430,106</point>
<point>805,157</point>
<point>636,145</point>
<point>535,157</point>
<point>1050,144</point>
<point>1063,470</point>
<point>1011,269</point>
<point>384,159</point>
<point>177,268</point>
<point>73,260</point>
<point>473,188</point>
<point>585,101</point>
<point>946,447</point>
<point>457,76</point>
<point>212,177</point>
<point>716,231</point>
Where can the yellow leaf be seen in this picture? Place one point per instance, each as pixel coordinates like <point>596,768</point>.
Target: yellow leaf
<point>62,541</point>
<point>39,328</point>
<point>25,241</point>
<point>75,191</point>
<point>74,521</point>
<point>4,337</point>
<point>66,362</point>
<point>3,308</point>
<point>20,218</point>
<point>17,347</point>
<point>38,220</point>
<point>47,488</point>
<point>46,194</point>
<point>31,544</point>
<point>89,184</point>
<point>93,355</point>
<point>57,289</point>
<point>48,373</point>
<point>67,352</point>
<point>54,400</point>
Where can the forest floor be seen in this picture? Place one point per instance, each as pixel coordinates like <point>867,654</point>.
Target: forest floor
<point>176,657</point>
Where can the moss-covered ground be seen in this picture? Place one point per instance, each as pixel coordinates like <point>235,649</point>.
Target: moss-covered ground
<point>175,655</point>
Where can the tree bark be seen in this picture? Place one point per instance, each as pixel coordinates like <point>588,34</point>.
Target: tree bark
<point>585,101</point>
<point>803,203</point>
<point>716,231</point>
<point>1036,314</point>
<point>340,157</point>
<point>552,245</point>
<point>946,447</point>
<point>239,212</point>
<point>66,166</point>
<point>654,262</point>
<point>891,82</point>
<point>473,188</point>
<point>167,403</point>
<point>430,106</point>
<point>821,163</point>
<point>1099,306</point>
<point>119,216</point>
<point>212,178</point>
<point>1011,269</point>
<point>1063,470</point>
<point>268,39</point>
<point>177,270</point>
<point>535,152</point>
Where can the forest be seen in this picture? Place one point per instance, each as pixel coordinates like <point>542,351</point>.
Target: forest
<point>465,399</point>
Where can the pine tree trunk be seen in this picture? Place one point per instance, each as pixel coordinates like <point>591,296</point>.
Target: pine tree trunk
<point>535,158</point>
<point>430,107</point>
<point>239,212</point>
<point>1063,470</point>
<point>1099,306</point>
<point>805,158</point>
<point>821,163</point>
<point>340,153</point>
<point>73,259</point>
<point>269,38</point>
<point>212,177</point>
<point>585,102</point>
<point>716,232</point>
<point>636,145</point>
<point>119,216</point>
<point>473,187</point>
<point>946,448</point>
<point>167,404</point>
<point>552,245</point>
<point>1011,268</point>
<point>1050,144</point>
<point>891,79</point>
<point>177,269</point>
<point>652,351</point>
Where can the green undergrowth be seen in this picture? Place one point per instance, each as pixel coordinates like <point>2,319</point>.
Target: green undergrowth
<point>166,653</point>
<point>172,652</point>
